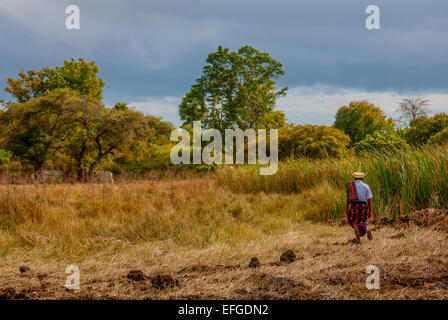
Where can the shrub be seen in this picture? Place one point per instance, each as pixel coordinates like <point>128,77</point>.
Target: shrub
<point>378,142</point>
<point>440,138</point>
<point>310,141</point>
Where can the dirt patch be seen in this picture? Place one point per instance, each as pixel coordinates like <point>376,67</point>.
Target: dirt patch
<point>419,281</point>
<point>436,219</point>
<point>270,287</point>
<point>23,294</point>
<point>199,268</point>
<point>431,218</point>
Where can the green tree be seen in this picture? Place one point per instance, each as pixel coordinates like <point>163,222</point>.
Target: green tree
<point>312,142</point>
<point>101,133</point>
<point>423,128</point>
<point>236,89</point>
<point>360,119</point>
<point>80,76</point>
<point>35,129</point>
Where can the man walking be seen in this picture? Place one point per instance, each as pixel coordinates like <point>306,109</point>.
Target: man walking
<point>359,206</point>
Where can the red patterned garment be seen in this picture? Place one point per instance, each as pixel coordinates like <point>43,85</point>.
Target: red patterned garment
<point>358,215</point>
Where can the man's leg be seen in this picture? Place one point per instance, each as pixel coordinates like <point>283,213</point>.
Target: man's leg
<point>369,235</point>
<point>357,233</point>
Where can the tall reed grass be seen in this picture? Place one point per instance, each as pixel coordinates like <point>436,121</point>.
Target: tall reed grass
<point>401,181</point>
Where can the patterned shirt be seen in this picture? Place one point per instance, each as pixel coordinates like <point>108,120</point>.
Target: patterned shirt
<point>363,190</point>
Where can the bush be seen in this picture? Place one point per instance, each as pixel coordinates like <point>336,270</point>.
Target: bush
<point>423,128</point>
<point>310,141</point>
<point>380,143</point>
<point>440,138</point>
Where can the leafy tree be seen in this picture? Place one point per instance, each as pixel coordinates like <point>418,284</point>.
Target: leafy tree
<point>80,76</point>
<point>312,142</point>
<point>236,89</point>
<point>35,129</point>
<point>423,128</point>
<point>99,133</point>
<point>378,142</point>
<point>360,119</point>
<point>62,124</point>
<point>412,108</point>
<point>440,138</point>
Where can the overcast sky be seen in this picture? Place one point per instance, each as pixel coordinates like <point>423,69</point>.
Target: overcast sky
<point>150,52</point>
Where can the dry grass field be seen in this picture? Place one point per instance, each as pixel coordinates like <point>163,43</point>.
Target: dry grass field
<point>194,239</point>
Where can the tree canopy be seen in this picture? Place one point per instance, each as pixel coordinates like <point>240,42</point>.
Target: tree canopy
<point>236,90</point>
<point>423,128</point>
<point>80,76</point>
<point>360,119</point>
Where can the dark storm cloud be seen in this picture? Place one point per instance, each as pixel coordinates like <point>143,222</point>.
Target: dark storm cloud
<point>157,48</point>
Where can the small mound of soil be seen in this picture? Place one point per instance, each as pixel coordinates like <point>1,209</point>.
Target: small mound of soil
<point>428,218</point>
<point>136,275</point>
<point>288,256</point>
<point>254,263</point>
<point>161,282</point>
<point>24,269</point>
<point>431,218</point>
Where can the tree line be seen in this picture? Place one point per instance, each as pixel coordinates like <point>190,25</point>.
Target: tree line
<point>58,119</point>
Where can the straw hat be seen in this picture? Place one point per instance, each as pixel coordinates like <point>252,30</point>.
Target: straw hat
<point>358,174</point>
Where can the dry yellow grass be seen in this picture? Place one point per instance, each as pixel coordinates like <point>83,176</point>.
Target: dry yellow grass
<point>209,235</point>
